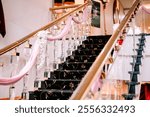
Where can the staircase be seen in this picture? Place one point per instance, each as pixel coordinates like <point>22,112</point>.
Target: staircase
<point>135,69</point>
<point>63,81</point>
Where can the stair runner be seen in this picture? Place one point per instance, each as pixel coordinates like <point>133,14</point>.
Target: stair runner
<point>63,81</point>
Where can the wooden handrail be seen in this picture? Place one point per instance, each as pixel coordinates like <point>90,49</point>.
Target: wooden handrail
<point>64,7</point>
<point>26,38</point>
<point>89,78</point>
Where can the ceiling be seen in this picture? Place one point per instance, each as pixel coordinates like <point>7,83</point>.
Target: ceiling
<point>128,3</point>
<point>142,18</point>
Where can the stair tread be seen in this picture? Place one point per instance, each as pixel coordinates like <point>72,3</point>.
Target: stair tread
<point>56,90</point>
<point>136,63</point>
<point>68,74</point>
<point>75,66</point>
<point>81,58</point>
<point>71,70</point>
<point>82,55</point>
<point>133,72</point>
<point>139,49</point>
<point>86,52</point>
<point>132,83</point>
<point>50,79</point>
<point>77,62</point>
<point>140,44</point>
<point>91,46</point>
<point>136,56</point>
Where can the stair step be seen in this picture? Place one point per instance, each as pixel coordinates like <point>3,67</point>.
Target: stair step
<point>132,83</point>
<point>137,56</point>
<point>142,39</point>
<point>52,94</point>
<point>91,46</point>
<point>129,96</point>
<point>86,52</point>
<point>81,58</point>
<point>49,79</point>
<point>136,64</point>
<point>60,84</point>
<point>140,44</point>
<point>97,39</point>
<point>68,74</point>
<point>140,49</point>
<point>134,72</point>
<point>93,41</point>
<point>75,66</point>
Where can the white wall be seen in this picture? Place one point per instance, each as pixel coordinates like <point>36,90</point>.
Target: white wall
<point>23,17</point>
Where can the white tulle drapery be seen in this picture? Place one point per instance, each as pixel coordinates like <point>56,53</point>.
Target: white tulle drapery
<point>39,49</point>
<point>68,25</point>
<point>27,67</point>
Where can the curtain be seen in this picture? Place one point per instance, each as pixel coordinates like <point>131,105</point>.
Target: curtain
<point>145,92</point>
<point>2,21</point>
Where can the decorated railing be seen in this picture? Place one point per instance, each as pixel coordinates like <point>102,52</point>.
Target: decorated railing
<point>31,58</point>
<point>90,86</point>
<point>59,11</point>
